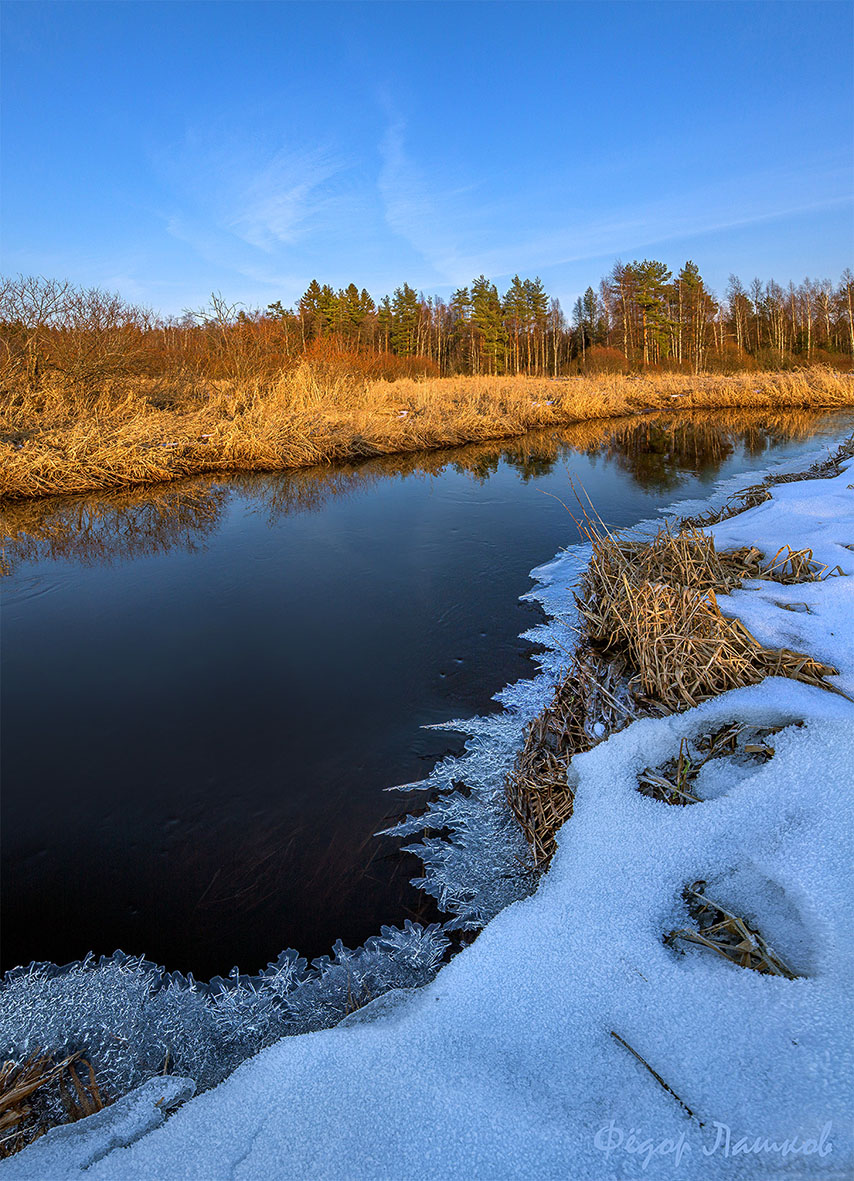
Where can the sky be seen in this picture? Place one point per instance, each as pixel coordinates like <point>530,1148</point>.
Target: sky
<point>170,149</point>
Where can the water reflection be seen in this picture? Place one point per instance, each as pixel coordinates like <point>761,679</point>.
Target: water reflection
<point>106,526</point>
<point>207,685</point>
<point>655,449</point>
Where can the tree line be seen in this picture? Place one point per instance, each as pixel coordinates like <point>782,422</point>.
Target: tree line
<point>640,315</point>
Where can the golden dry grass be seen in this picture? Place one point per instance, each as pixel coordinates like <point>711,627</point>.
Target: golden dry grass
<point>124,521</point>
<point>654,640</point>
<point>64,440</point>
<point>655,604</point>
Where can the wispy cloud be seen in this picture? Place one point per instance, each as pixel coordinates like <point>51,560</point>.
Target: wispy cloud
<point>416,211</point>
<point>459,241</point>
<point>742,201</point>
<point>227,195</point>
<point>278,202</point>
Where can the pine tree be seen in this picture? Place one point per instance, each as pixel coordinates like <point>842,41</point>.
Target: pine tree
<point>309,306</point>
<point>461,328</point>
<point>405,321</point>
<point>328,307</point>
<point>385,321</point>
<point>515,309</point>
<point>486,317</point>
<point>695,307</point>
<point>538,311</point>
<point>651,296</point>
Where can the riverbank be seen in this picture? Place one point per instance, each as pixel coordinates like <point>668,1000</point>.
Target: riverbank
<point>534,1049</point>
<point>64,441</point>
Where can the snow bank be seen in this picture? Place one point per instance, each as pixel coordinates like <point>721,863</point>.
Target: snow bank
<point>65,1150</point>
<point>504,1066</point>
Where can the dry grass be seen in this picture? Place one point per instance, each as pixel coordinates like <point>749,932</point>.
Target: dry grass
<point>654,641</point>
<point>654,603</point>
<point>125,521</point>
<point>67,440</point>
<point>590,701</point>
<point>23,1090</point>
<point>673,782</point>
<point>727,934</point>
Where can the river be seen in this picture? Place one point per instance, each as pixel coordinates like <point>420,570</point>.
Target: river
<point>207,685</point>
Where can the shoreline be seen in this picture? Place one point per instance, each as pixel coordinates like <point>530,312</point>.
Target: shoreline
<point>480,978</point>
<point>123,440</point>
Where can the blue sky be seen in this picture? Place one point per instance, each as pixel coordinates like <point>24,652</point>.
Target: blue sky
<point>170,149</point>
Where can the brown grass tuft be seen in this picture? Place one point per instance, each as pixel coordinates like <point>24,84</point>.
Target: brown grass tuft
<point>590,701</point>
<point>654,641</point>
<point>727,934</point>
<point>654,603</point>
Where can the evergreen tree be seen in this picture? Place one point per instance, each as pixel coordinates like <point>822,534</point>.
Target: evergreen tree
<point>461,328</point>
<point>651,296</point>
<point>516,318</point>
<point>309,307</point>
<point>405,321</point>
<point>486,317</point>
<point>385,321</point>
<point>538,311</point>
<point>695,307</point>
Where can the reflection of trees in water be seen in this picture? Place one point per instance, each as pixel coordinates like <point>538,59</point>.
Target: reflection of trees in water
<point>108,526</point>
<point>656,454</point>
<point>658,450</point>
<point>655,449</point>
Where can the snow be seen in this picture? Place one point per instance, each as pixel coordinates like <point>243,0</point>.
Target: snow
<point>505,1065</point>
<point>65,1150</point>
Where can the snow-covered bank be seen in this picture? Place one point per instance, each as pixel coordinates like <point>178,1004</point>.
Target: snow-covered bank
<point>505,1065</point>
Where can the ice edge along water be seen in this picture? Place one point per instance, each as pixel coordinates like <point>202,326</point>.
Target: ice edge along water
<point>504,1065</point>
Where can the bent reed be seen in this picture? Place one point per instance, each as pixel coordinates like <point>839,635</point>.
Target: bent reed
<point>65,438</point>
<point>652,641</point>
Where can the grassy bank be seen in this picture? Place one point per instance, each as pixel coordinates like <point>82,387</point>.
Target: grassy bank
<point>63,439</point>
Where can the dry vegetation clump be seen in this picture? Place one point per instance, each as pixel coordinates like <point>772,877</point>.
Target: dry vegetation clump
<point>590,701</point>
<point>28,1092</point>
<point>654,641</point>
<point>728,935</point>
<point>64,436</point>
<point>654,603</point>
<point>672,783</point>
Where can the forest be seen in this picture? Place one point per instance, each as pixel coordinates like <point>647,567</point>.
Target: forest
<point>640,316</point>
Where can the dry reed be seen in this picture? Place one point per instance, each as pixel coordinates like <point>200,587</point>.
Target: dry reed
<point>23,1086</point>
<point>728,935</point>
<point>654,641</point>
<point>672,783</point>
<point>654,603</point>
<point>61,439</point>
<point>590,701</point>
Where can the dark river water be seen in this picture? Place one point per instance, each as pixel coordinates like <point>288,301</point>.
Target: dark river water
<point>207,686</point>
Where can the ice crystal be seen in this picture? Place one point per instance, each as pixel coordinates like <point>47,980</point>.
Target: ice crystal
<point>131,1020</point>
